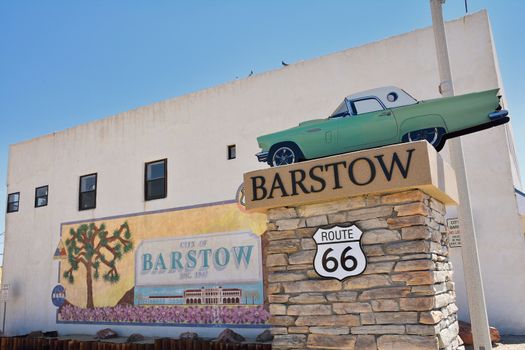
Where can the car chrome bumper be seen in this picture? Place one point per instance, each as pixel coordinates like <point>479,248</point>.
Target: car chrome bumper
<point>498,114</point>
<point>262,156</point>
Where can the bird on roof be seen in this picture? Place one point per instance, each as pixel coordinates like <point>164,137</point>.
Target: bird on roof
<point>251,73</point>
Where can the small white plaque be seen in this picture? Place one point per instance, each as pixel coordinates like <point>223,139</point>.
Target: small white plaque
<point>454,241</point>
<point>454,237</point>
<point>4,292</point>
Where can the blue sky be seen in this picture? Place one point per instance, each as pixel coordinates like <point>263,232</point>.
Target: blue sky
<point>64,63</point>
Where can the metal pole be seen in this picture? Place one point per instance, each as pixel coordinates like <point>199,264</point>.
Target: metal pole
<point>469,249</point>
<point>3,323</point>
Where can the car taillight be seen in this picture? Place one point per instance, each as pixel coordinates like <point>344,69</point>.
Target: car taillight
<point>499,108</point>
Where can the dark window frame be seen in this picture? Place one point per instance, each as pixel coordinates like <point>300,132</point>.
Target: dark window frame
<point>231,155</point>
<point>18,202</point>
<point>146,181</point>
<point>37,197</point>
<point>80,192</point>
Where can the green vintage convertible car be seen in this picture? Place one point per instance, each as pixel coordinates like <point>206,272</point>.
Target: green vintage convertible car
<point>382,117</point>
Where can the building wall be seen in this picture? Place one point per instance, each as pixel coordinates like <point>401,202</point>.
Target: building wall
<point>193,131</point>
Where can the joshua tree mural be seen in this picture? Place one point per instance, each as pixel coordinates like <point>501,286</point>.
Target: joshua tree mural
<point>98,251</point>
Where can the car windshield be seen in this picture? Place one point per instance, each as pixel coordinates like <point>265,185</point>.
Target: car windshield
<point>341,110</point>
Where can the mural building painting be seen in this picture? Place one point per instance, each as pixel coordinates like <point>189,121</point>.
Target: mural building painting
<point>165,268</point>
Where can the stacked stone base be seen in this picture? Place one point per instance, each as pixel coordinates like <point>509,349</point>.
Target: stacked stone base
<point>404,300</point>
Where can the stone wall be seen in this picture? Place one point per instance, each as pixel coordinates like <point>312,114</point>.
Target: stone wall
<point>405,298</point>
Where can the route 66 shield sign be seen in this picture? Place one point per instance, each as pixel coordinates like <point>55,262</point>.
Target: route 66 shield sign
<point>339,253</point>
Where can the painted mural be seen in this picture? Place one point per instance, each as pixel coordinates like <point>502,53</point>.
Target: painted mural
<point>194,266</point>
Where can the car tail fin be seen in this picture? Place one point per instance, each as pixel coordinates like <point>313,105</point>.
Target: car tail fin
<point>499,108</point>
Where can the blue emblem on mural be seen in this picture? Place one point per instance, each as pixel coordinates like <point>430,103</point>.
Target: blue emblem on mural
<point>58,295</point>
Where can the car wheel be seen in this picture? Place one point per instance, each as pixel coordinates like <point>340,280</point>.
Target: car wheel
<point>434,136</point>
<point>284,154</point>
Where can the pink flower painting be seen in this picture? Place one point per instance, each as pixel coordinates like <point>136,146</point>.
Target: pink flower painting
<point>166,314</point>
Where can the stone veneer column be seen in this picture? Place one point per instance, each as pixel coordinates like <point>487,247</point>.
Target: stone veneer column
<point>404,300</point>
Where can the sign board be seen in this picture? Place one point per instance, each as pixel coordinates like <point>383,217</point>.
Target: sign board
<point>339,253</point>
<point>58,295</point>
<point>454,237</point>
<point>397,167</point>
<point>218,262</point>
<point>4,292</point>
<point>60,252</point>
<point>240,198</point>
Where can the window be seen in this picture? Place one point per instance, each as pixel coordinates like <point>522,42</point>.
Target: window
<point>13,200</point>
<point>156,183</point>
<point>391,97</point>
<point>87,197</point>
<point>41,196</point>
<point>341,111</point>
<point>231,152</point>
<point>367,105</point>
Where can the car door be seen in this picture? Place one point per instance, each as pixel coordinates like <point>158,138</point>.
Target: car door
<point>319,139</point>
<point>370,125</point>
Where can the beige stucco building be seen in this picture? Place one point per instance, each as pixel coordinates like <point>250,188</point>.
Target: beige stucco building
<point>194,131</point>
